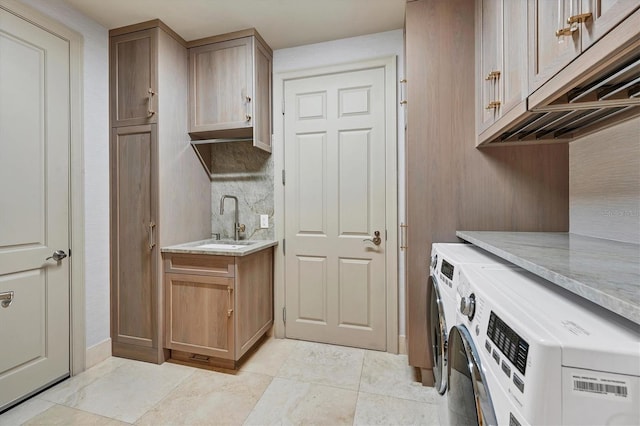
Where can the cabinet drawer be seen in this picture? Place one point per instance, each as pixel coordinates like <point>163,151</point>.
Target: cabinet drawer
<point>200,264</point>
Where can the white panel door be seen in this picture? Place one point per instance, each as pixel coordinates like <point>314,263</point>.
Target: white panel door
<point>335,200</point>
<point>34,208</point>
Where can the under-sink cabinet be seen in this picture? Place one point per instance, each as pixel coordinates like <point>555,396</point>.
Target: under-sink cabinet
<point>230,88</point>
<point>216,307</point>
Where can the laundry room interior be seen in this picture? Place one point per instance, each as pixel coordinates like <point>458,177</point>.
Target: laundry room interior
<point>353,212</point>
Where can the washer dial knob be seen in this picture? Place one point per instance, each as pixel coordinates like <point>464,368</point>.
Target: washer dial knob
<point>468,306</point>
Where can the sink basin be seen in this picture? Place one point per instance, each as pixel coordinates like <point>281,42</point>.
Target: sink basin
<point>227,245</point>
<point>222,246</point>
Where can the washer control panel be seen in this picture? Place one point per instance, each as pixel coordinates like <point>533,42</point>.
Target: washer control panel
<point>515,348</point>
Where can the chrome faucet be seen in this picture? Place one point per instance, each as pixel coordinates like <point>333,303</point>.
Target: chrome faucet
<point>237,228</point>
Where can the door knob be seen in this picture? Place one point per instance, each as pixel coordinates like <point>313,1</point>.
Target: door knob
<point>376,238</point>
<point>57,255</point>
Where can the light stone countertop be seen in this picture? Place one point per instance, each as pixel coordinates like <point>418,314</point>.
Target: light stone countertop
<point>606,272</point>
<point>194,247</point>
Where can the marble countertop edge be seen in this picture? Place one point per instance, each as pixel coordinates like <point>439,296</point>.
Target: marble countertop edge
<point>192,247</point>
<point>606,300</point>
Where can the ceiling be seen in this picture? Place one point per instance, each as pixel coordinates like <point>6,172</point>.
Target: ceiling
<point>282,23</point>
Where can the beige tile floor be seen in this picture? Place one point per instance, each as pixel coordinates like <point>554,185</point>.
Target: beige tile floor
<point>286,382</point>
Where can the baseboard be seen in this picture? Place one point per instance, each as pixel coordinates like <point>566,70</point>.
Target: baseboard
<point>98,353</point>
<point>402,344</point>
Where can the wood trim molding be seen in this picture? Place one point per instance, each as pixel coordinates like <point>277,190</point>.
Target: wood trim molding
<point>77,260</point>
<point>154,23</point>
<point>230,36</point>
<point>389,63</point>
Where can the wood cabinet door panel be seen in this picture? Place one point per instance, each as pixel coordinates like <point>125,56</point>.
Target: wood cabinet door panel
<point>221,84</point>
<point>490,34</point>
<point>606,14</point>
<point>200,314</point>
<point>514,47</point>
<point>548,52</point>
<point>133,75</point>
<point>134,256</point>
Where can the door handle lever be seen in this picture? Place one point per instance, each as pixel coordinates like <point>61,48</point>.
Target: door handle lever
<point>376,238</point>
<point>6,297</point>
<point>57,255</point>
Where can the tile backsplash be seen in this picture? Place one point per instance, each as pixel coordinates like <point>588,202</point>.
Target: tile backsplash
<point>239,169</point>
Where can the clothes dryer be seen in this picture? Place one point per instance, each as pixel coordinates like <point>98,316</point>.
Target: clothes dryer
<point>527,352</point>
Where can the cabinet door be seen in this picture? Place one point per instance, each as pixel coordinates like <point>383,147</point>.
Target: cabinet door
<point>605,14</point>
<point>221,85</point>
<point>134,254</point>
<point>514,58</point>
<point>133,78</point>
<point>199,314</point>
<point>549,52</point>
<point>491,70</point>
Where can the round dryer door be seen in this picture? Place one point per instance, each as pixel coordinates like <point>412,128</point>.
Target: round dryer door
<point>469,401</point>
<point>438,330</point>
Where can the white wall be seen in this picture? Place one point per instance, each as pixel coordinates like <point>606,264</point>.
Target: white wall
<point>96,161</point>
<point>352,50</point>
<point>604,183</point>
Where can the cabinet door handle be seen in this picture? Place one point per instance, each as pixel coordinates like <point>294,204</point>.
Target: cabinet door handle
<point>247,105</point>
<point>152,240</point>
<point>493,105</point>
<point>566,31</point>
<point>583,17</point>
<point>150,110</point>
<point>493,75</point>
<point>230,309</point>
<point>403,237</point>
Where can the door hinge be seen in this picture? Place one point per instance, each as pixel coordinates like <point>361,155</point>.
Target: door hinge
<point>69,251</point>
<point>284,250</point>
<point>283,177</point>
<point>284,315</point>
<point>283,106</point>
<point>271,139</point>
<point>385,235</point>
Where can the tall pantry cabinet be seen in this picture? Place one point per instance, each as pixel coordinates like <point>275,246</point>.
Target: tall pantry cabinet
<point>159,193</point>
<point>451,184</point>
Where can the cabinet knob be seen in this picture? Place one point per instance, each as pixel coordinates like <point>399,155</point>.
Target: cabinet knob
<point>248,117</point>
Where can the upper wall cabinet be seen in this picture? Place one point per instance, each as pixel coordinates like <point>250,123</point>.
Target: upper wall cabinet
<point>561,29</point>
<point>574,72</point>
<point>501,67</point>
<point>133,75</point>
<point>230,89</point>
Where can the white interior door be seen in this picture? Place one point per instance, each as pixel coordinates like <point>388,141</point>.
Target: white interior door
<point>334,138</point>
<point>34,208</point>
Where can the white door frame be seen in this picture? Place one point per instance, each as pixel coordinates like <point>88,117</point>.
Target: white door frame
<point>77,350</point>
<point>391,190</point>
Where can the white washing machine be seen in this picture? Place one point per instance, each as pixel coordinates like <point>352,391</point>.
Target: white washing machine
<point>446,261</point>
<point>529,353</point>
